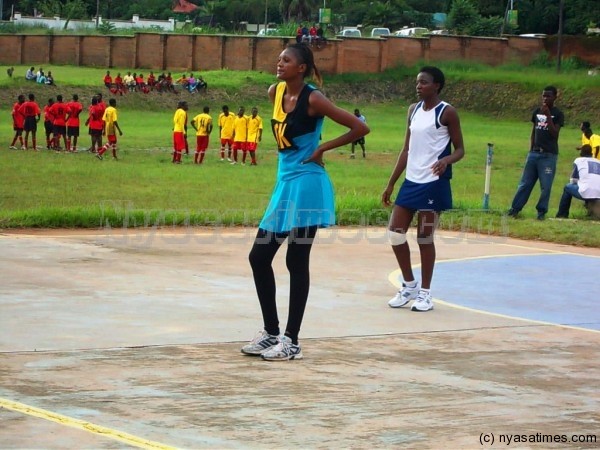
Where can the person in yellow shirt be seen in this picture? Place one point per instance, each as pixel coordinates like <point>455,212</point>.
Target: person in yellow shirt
<point>226,121</point>
<point>109,129</point>
<point>589,138</point>
<point>179,131</point>
<point>240,134</point>
<point>255,128</point>
<point>203,125</point>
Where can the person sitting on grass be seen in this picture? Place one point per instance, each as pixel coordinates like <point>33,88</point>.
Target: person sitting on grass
<point>30,75</point>
<point>49,79</point>
<point>201,85</point>
<point>108,81</point>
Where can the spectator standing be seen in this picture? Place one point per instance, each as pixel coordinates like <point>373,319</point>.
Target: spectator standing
<point>31,112</point>
<point>226,123</point>
<point>109,129</point>
<point>60,112</point>
<point>203,124</point>
<point>585,181</point>
<point>49,124</point>
<point>302,200</point>
<point>179,131</point>
<point>543,152</point>
<point>360,141</point>
<point>433,128</point>
<point>255,129</point>
<point>75,109</point>
<point>108,81</point>
<point>240,134</point>
<point>18,123</point>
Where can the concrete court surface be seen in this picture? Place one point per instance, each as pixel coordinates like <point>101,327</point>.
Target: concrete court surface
<point>122,339</point>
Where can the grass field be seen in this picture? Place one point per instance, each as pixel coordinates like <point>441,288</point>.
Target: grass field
<point>44,189</point>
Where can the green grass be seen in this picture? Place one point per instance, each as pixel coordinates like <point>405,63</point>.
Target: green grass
<point>45,189</point>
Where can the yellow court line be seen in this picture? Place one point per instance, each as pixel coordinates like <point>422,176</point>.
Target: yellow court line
<point>83,425</point>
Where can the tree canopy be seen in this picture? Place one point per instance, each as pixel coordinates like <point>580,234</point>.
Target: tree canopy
<point>485,16</point>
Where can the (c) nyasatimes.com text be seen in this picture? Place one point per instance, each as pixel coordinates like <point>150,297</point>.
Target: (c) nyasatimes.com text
<point>536,438</point>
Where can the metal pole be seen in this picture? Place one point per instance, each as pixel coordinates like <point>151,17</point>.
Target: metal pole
<point>1,9</point>
<point>488,176</point>
<point>266,11</point>
<point>97,12</point>
<point>561,8</point>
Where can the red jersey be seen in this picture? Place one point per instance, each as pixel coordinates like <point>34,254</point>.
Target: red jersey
<point>18,117</point>
<point>60,111</point>
<point>48,117</point>
<point>118,81</point>
<point>151,80</point>
<point>107,79</point>
<point>96,113</point>
<point>102,105</point>
<point>75,109</point>
<point>30,109</point>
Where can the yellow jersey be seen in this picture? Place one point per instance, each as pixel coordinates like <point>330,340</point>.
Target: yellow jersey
<point>203,123</point>
<point>226,125</point>
<point>255,126</point>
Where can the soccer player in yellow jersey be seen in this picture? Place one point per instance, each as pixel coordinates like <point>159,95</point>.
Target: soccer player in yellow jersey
<point>225,122</point>
<point>110,126</point>
<point>240,134</point>
<point>203,125</point>
<point>255,128</point>
<point>589,138</point>
<point>179,131</point>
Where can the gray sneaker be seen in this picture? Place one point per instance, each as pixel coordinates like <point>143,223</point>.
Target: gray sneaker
<point>262,342</point>
<point>283,351</point>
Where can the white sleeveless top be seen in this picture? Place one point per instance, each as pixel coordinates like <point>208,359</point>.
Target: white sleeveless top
<point>429,142</point>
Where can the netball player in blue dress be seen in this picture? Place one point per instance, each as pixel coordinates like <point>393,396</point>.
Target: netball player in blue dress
<point>302,200</point>
<point>433,129</point>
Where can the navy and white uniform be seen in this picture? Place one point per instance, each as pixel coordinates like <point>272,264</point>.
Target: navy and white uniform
<point>429,142</point>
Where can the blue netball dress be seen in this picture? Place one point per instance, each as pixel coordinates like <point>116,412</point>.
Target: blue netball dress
<point>429,142</point>
<point>303,193</point>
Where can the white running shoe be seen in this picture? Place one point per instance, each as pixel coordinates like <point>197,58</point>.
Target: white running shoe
<point>262,342</point>
<point>404,295</point>
<point>283,351</point>
<point>12,147</point>
<point>424,302</point>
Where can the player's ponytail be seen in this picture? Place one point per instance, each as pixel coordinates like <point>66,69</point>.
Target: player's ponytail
<point>305,55</point>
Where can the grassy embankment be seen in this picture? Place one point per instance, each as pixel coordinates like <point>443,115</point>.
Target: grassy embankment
<point>45,189</point>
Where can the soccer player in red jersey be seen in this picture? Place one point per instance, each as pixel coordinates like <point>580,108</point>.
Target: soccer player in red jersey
<point>94,121</point>
<point>179,131</point>
<point>49,124</point>
<point>75,109</point>
<point>60,111</point>
<point>18,122</point>
<point>31,112</point>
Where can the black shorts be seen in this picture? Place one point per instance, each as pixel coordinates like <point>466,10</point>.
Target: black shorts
<point>94,132</point>
<point>30,124</point>
<point>360,141</point>
<point>60,129</point>
<point>48,127</point>
<point>18,131</point>
<point>73,131</point>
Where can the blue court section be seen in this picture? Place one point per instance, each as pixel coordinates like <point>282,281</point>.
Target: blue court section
<point>557,288</point>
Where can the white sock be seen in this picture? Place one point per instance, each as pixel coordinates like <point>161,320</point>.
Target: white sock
<point>411,284</point>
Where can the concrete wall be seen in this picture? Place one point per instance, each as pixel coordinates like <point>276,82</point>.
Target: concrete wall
<point>183,52</point>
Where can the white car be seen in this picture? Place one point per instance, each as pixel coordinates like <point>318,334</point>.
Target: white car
<point>379,32</point>
<point>350,32</point>
<point>534,35</point>
<point>415,31</point>
<point>268,31</point>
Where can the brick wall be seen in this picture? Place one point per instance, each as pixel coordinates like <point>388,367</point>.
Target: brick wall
<point>200,52</point>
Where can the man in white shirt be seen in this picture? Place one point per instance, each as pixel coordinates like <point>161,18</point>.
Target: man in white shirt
<point>585,181</point>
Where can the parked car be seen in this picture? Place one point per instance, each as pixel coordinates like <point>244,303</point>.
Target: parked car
<point>443,32</point>
<point>379,32</point>
<point>350,32</point>
<point>414,31</point>
<point>534,35</point>
<point>268,32</point>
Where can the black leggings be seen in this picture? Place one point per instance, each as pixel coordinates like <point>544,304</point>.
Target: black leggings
<point>266,245</point>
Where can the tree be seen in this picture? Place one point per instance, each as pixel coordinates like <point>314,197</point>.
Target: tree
<point>462,15</point>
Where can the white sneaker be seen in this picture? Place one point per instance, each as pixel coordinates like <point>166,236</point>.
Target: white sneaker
<point>283,351</point>
<point>12,147</point>
<point>404,295</point>
<point>424,302</point>
<point>262,342</point>
<point>233,162</point>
